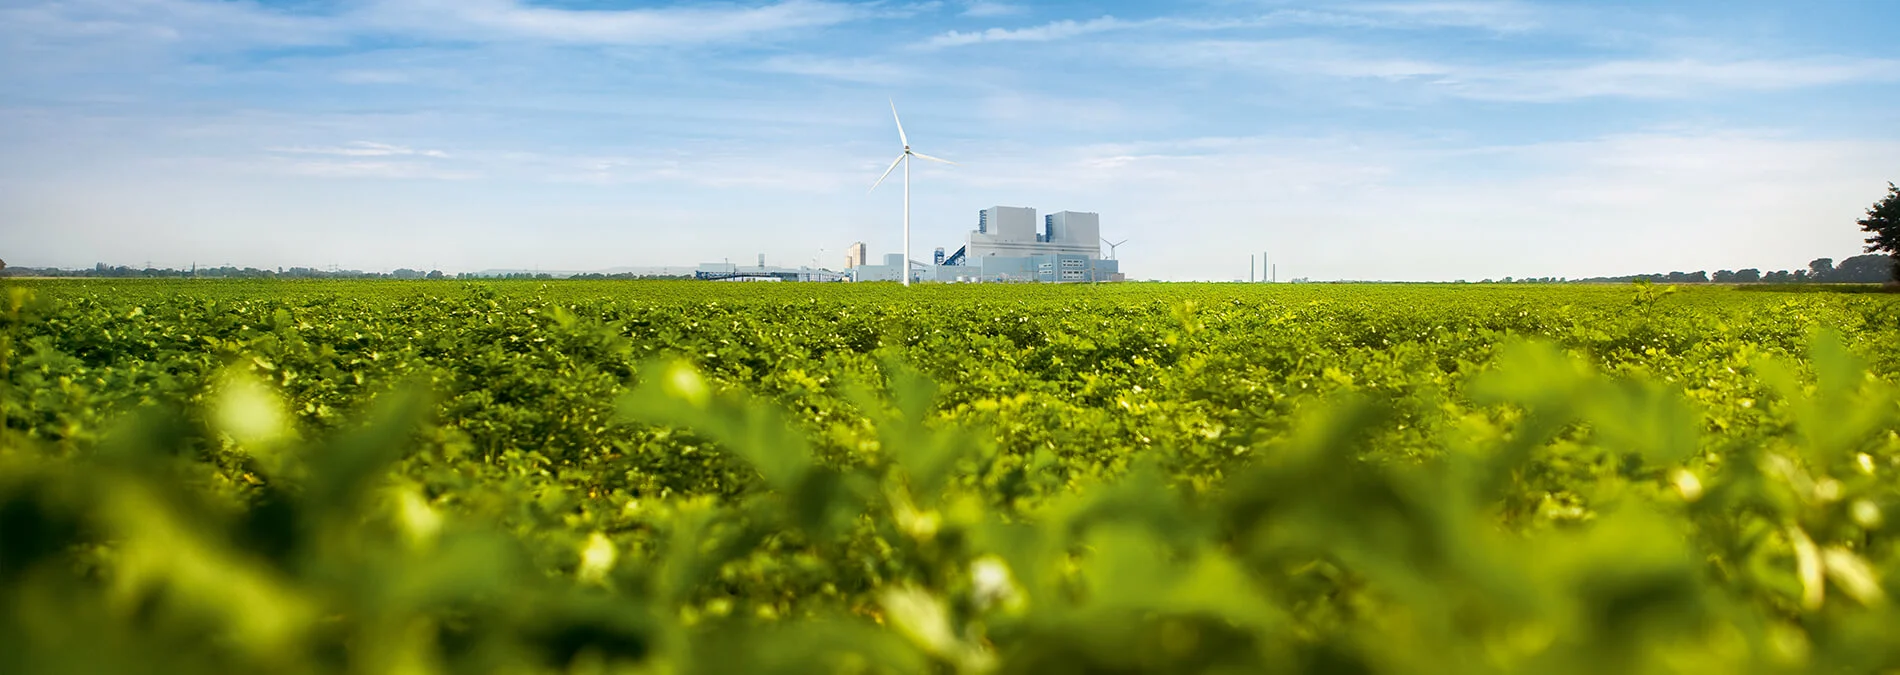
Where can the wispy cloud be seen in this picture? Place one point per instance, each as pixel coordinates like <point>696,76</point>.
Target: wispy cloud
<point>983,9</point>
<point>374,76</point>
<point>360,159</point>
<point>863,70</point>
<point>44,24</point>
<point>241,24</point>
<point>669,25</point>
<point>1020,109</point>
<point>1523,81</point>
<point>1057,30</point>
<point>361,149</point>
<point>1662,78</point>
<point>821,170</point>
<point>1494,16</point>
<point>372,169</point>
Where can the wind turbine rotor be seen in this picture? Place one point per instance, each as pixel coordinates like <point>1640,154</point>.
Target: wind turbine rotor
<point>887,172</point>
<point>920,155</point>
<point>900,125</point>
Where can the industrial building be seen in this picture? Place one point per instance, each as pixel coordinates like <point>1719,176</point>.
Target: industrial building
<point>888,271</point>
<point>1007,246</point>
<point>725,271</point>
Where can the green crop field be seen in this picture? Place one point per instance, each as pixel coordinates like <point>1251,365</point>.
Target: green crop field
<point>673,477</point>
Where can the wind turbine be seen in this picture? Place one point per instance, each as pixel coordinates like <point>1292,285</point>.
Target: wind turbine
<point>904,159</point>
<point>1111,247</point>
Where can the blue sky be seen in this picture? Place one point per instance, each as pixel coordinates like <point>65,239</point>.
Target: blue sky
<point>1369,140</point>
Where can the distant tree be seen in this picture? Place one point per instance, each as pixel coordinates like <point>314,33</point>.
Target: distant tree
<point>1699,277</point>
<point>1747,276</point>
<point>434,274</point>
<point>1820,269</point>
<point>1864,269</point>
<point>1883,223</point>
<point>3,265</point>
<point>1800,276</point>
<point>1724,276</point>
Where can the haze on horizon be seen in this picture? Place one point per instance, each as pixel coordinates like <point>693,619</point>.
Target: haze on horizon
<point>1365,140</point>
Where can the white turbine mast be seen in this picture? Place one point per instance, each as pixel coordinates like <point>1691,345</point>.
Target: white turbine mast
<point>1111,247</point>
<point>904,158</point>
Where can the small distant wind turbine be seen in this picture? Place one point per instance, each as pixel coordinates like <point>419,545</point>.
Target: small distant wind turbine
<point>904,159</point>
<point>1111,247</point>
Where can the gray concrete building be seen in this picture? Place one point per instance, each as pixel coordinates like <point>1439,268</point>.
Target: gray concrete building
<point>1007,245</point>
<point>1010,245</point>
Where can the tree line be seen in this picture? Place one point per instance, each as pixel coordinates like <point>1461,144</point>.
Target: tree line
<point>1860,269</point>
<point>104,271</point>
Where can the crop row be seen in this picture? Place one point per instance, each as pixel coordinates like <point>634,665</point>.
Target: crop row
<point>721,478</point>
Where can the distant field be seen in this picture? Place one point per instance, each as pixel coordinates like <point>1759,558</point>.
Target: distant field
<point>523,476</point>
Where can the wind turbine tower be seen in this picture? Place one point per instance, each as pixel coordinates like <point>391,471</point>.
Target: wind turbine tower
<point>1111,247</point>
<point>904,158</point>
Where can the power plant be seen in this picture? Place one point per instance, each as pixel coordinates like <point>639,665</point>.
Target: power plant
<point>1006,246</point>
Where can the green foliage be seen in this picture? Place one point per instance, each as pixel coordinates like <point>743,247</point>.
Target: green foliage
<point>1883,227</point>
<point>360,477</point>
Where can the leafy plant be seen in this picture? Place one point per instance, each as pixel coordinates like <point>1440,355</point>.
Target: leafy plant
<point>375,478</point>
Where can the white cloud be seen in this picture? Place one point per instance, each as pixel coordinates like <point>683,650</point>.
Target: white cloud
<point>864,70</point>
<point>773,169</point>
<point>1527,81</point>
<point>212,25</point>
<point>1662,78</point>
<point>361,149</point>
<point>374,77</point>
<point>371,169</point>
<point>983,9</point>
<point>1505,17</point>
<point>1018,109</point>
<point>134,24</point>
<point>670,25</point>
<point>1492,16</point>
<point>1057,30</point>
<point>358,159</point>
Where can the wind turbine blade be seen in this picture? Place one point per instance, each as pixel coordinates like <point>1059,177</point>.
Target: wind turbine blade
<point>900,124</point>
<point>920,155</point>
<point>887,173</point>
